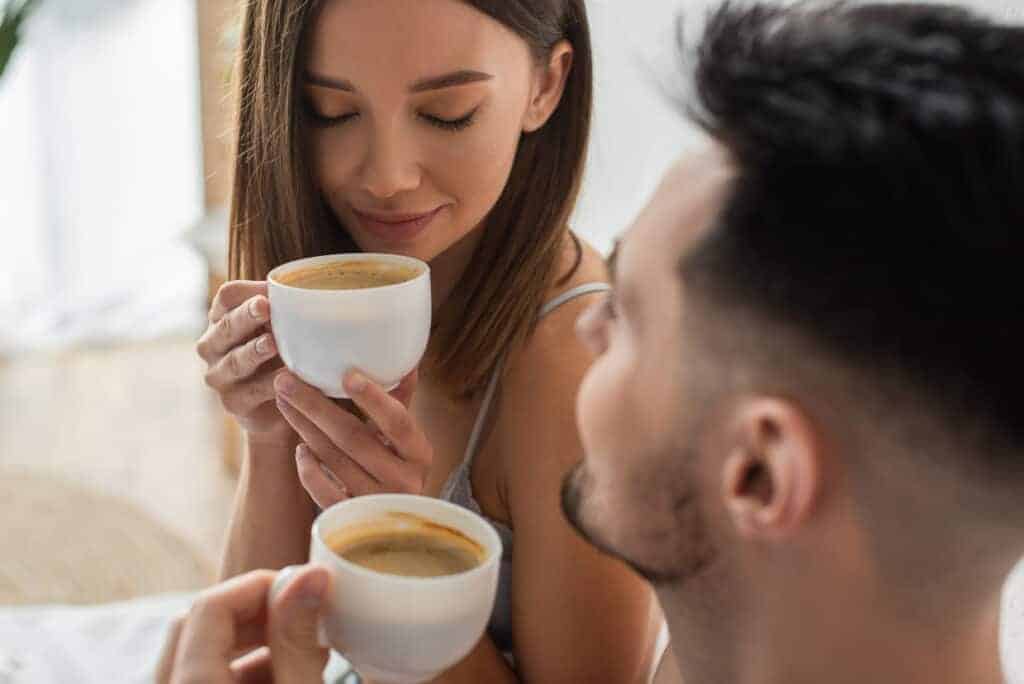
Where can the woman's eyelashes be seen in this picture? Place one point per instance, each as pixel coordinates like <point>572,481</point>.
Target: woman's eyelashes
<point>459,124</point>
<point>329,121</point>
<point>323,121</point>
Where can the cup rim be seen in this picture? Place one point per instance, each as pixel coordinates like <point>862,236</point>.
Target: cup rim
<point>402,580</point>
<point>423,267</point>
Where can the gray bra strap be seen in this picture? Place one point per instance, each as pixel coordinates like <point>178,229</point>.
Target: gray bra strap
<point>485,411</point>
<point>574,293</point>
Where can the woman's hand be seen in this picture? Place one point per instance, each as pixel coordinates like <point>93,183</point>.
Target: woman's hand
<point>241,357</point>
<point>342,456</point>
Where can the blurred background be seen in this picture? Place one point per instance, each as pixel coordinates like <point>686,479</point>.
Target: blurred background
<point>114,185</point>
<point>117,466</point>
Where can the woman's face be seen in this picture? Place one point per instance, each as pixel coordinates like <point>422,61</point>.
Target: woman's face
<point>415,109</point>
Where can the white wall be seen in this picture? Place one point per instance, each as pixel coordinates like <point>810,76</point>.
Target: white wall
<point>101,171</point>
<point>637,134</point>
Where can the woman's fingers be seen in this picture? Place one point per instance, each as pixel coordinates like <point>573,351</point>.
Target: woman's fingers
<point>234,328</point>
<point>243,398</point>
<point>356,480</point>
<point>345,432</point>
<point>233,294</point>
<point>242,362</point>
<point>323,487</point>
<point>391,416</point>
<point>407,389</point>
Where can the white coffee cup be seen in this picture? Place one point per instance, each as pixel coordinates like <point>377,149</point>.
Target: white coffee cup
<point>323,334</point>
<point>403,630</point>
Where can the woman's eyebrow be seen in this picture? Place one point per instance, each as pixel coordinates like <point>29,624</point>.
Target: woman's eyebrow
<point>327,82</point>
<point>455,78</point>
<point>449,80</point>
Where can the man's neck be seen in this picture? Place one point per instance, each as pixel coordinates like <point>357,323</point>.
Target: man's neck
<point>837,646</point>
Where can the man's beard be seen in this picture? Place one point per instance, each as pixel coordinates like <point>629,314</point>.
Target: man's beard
<point>694,556</point>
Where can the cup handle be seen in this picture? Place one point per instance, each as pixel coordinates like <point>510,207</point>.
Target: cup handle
<point>284,576</point>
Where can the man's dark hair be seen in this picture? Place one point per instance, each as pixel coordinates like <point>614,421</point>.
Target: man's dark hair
<point>878,206</point>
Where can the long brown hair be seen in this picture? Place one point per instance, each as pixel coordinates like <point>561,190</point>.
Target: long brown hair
<point>278,215</point>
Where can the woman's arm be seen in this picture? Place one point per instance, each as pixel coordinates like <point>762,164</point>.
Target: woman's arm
<point>272,514</point>
<point>484,664</point>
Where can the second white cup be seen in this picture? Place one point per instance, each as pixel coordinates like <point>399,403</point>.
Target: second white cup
<point>403,630</point>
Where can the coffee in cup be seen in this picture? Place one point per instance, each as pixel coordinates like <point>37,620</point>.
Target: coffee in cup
<point>407,545</point>
<point>348,275</point>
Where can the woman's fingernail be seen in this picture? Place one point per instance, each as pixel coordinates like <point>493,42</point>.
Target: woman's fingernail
<point>264,345</point>
<point>356,382</point>
<point>282,405</point>
<point>285,383</point>
<point>301,451</point>
<point>256,309</point>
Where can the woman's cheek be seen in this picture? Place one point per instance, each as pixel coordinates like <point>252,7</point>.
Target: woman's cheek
<point>334,162</point>
<point>476,173</point>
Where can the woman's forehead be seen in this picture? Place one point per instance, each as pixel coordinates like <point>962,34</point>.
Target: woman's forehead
<point>409,38</point>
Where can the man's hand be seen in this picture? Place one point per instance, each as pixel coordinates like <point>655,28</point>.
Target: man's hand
<point>232,635</point>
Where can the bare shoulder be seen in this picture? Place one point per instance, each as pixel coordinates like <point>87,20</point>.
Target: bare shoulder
<point>554,341</point>
<point>536,428</point>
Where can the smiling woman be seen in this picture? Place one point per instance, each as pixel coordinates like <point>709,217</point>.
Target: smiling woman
<point>454,132</point>
<point>349,136</point>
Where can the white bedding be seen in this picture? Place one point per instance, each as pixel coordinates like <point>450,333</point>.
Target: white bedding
<point>117,642</point>
<point>120,642</point>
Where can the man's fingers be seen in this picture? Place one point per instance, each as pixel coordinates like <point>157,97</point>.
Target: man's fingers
<point>166,666</point>
<point>294,627</point>
<point>212,630</point>
<point>254,668</point>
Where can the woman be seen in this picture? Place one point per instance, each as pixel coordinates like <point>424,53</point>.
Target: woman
<point>455,132</point>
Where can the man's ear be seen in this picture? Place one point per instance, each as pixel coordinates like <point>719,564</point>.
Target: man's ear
<point>772,477</point>
<point>548,87</point>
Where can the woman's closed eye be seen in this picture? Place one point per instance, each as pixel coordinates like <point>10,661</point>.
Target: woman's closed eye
<point>325,120</point>
<point>456,124</point>
<point>329,120</point>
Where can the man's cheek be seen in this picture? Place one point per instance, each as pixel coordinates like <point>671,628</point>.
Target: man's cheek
<point>588,408</point>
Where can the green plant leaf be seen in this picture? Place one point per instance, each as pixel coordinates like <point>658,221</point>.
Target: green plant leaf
<point>12,18</point>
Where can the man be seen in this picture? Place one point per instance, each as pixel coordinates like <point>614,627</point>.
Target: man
<point>804,427</point>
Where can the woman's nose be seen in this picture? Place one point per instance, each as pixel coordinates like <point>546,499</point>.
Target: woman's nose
<point>391,166</point>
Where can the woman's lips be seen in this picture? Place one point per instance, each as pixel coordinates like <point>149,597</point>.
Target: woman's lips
<point>395,228</point>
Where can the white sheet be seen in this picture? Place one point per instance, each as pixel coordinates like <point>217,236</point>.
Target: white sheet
<point>117,642</point>
<point>121,642</point>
